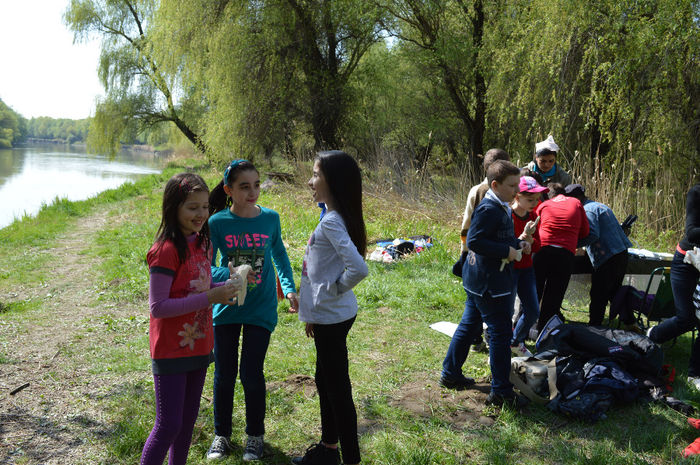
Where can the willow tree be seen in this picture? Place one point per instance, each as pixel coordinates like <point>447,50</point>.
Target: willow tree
<point>272,69</point>
<point>448,38</point>
<point>601,75</point>
<point>139,93</point>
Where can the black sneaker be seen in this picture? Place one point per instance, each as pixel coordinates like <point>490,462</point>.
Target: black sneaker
<point>318,454</point>
<point>456,384</point>
<point>511,399</point>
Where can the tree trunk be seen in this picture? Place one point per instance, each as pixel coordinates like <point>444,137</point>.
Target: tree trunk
<point>479,122</point>
<point>191,136</point>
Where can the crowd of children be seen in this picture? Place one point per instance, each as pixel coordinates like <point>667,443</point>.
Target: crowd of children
<point>520,232</point>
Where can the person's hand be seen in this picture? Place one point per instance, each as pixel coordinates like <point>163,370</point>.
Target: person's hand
<point>527,238</point>
<point>224,294</point>
<point>513,254</point>
<point>531,226</point>
<point>526,247</point>
<point>293,302</point>
<point>309,330</point>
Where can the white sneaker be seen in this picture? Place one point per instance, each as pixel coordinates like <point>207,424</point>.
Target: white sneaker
<point>520,350</point>
<point>694,381</point>
<point>253,448</point>
<point>220,447</point>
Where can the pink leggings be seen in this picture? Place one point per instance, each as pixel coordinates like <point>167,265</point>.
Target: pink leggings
<point>177,406</point>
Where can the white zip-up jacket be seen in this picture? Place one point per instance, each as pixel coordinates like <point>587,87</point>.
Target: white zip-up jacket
<point>332,267</point>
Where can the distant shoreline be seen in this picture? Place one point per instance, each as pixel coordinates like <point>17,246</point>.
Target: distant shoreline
<point>142,148</point>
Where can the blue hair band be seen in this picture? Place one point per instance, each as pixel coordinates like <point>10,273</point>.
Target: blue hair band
<point>230,168</point>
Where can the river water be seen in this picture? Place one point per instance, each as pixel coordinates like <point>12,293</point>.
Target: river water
<point>34,175</point>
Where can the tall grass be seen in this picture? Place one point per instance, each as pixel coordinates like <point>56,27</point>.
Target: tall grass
<point>652,190</point>
<point>656,194</point>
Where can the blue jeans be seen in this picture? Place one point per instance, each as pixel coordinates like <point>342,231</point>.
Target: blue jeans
<point>255,342</point>
<point>684,278</point>
<point>496,312</point>
<point>527,292</point>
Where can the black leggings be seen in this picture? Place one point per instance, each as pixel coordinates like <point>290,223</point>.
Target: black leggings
<point>553,268</point>
<point>338,415</point>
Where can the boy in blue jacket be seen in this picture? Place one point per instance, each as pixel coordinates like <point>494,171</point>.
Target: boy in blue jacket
<point>487,277</point>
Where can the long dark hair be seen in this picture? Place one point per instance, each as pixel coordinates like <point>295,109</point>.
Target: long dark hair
<point>218,200</point>
<point>345,184</point>
<point>174,195</point>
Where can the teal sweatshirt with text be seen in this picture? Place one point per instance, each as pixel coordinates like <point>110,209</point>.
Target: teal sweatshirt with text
<point>256,242</point>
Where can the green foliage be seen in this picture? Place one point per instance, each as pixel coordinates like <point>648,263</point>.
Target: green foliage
<point>274,72</point>
<point>67,130</point>
<point>11,130</point>
<point>140,95</point>
<point>609,77</point>
<point>612,81</point>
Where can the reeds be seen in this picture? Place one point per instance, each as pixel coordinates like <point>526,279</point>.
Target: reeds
<point>652,189</point>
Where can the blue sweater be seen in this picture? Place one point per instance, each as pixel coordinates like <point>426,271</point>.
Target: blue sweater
<point>490,237</point>
<point>257,242</point>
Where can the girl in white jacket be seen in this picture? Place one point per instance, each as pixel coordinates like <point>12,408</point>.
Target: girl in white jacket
<point>333,265</point>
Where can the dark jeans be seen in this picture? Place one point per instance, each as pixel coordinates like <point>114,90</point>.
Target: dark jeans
<point>338,415</point>
<point>255,342</point>
<point>553,268</point>
<point>177,405</point>
<point>684,278</point>
<point>496,312</point>
<point>605,282</point>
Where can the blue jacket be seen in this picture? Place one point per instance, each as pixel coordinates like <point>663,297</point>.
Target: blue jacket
<point>490,236</point>
<point>606,237</point>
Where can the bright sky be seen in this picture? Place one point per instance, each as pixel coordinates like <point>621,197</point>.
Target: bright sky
<point>42,72</point>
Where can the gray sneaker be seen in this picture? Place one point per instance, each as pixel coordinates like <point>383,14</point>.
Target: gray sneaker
<point>220,447</point>
<point>253,448</point>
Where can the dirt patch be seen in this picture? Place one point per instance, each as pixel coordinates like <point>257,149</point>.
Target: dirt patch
<point>296,383</point>
<point>463,409</point>
<point>51,420</point>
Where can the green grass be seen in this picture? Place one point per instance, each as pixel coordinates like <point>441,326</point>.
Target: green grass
<point>390,346</point>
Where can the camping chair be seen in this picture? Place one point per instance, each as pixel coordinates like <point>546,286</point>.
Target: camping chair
<point>658,306</point>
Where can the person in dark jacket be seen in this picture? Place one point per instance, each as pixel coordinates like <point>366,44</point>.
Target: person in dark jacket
<point>684,279</point>
<point>487,277</point>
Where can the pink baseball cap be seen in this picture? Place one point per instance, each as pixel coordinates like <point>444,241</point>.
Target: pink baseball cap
<point>529,184</point>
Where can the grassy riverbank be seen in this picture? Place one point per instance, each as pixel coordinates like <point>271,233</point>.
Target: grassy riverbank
<point>74,321</point>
